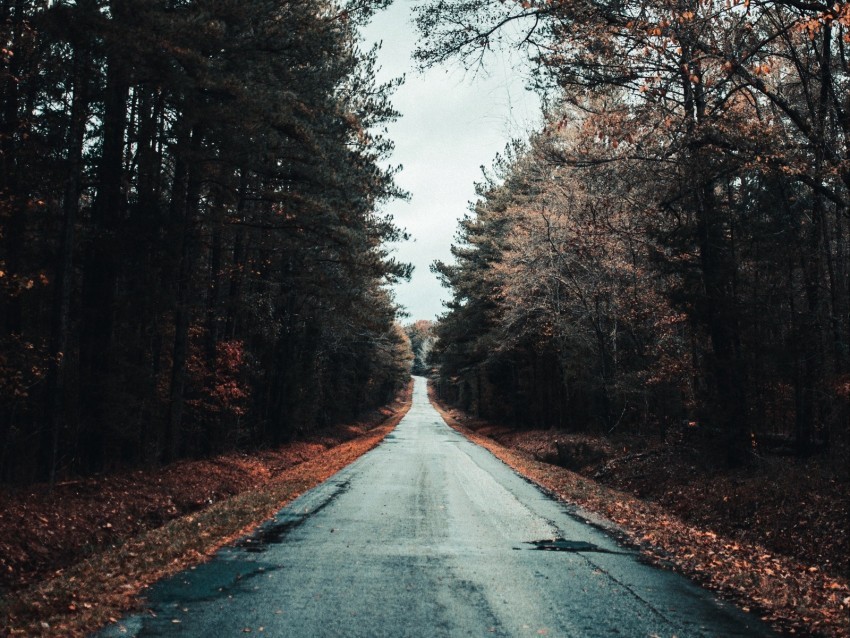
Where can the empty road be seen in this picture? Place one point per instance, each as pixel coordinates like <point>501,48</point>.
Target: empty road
<point>430,535</point>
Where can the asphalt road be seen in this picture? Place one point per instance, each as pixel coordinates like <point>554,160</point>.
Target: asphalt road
<point>430,535</point>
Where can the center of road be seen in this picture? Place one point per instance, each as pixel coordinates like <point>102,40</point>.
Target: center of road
<point>430,535</point>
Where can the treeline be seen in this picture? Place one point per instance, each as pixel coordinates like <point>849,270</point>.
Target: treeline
<point>674,246</point>
<point>421,336</point>
<point>191,255</point>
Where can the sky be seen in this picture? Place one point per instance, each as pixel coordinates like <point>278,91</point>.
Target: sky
<point>452,124</point>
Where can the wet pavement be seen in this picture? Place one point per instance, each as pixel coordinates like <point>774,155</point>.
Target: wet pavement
<point>430,535</point>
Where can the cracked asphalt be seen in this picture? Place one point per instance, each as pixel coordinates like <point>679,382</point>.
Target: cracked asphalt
<point>430,535</point>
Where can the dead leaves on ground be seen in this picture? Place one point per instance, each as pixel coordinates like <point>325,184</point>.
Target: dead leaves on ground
<point>797,596</point>
<point>227,497</point>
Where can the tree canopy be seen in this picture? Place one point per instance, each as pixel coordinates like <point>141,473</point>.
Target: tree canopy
<point>672,247</point>
<point>193,254</point>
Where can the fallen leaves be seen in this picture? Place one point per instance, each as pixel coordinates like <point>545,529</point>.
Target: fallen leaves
<point>112,576</point>
<point>790,592</point>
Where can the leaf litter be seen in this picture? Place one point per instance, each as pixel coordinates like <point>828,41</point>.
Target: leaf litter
<point>78,557</point>
<point>775,544</point>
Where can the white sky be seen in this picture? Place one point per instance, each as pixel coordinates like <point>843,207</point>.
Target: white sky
<point>452,123</point>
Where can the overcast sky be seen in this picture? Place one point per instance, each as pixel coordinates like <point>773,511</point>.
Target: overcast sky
<point>452,123</point>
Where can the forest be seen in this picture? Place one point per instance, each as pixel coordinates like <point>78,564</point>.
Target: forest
<point>649,319</point>
<point>193,255</point>
<point>671,252</point>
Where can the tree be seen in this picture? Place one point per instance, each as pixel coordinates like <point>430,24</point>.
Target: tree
<point>715,104</point>
<point>420,334</point>
<point>204,259</point>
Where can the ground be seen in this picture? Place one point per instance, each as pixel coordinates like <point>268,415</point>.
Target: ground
<point>76,557</point>
<point>773,537</point>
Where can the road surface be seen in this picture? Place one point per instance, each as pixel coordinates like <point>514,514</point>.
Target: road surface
<point>430,535</point>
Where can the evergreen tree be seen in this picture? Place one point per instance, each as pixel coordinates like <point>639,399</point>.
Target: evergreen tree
<point>193,255</point>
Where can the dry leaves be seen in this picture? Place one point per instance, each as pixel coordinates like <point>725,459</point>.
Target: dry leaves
<point>800,595</point>
<point>141,528</point>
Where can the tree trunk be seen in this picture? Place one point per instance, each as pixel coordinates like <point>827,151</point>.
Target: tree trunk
<point>726,369</point>
<point>184,298</point>
<point>64,275</point>
<point>235,291</point>
<point>15,199</point>
<point>101,268</point>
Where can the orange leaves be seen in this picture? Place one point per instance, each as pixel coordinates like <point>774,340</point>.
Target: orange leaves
<point>221,385</point>
<point>110,578</point>
<point>802,595</point>
<point>841,386</point>
<point>813,24</point>
<point>15,285</point>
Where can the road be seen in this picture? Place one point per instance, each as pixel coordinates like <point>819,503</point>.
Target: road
<point>430,535</point>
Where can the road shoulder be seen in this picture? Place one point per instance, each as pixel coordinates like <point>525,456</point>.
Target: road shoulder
<point>87,595</point>
<point>791,596</point>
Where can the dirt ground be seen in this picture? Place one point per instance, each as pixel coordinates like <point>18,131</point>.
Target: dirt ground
<point>773,537</point>
<point>75,558</point>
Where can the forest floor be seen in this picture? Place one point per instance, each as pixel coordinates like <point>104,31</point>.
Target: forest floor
<point>774,538</point>
<point>77,557</point>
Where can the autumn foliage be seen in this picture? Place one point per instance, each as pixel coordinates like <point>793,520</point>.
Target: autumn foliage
<point>192,255</point>
<point>671,249</point>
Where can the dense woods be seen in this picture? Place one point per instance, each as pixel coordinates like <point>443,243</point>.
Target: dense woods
<point>672,249</point>
<point>421,336</point>
<point>192,259</point>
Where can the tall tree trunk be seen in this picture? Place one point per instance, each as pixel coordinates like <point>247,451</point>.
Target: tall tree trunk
<point>64,275</point>
<point>213,315</point>
<point>236,274</point>
<point>150,223</point>
<point>101,268</point>
<point>13,199</point>
<point>817,325</point>
<point>720,312</point>
<point>727,368</point>
<point>184,298</point>
<point>213,320</point>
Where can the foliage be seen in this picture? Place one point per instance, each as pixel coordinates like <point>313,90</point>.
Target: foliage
<point>673,245</point>
<point>192,255</point>
<point>421,338</point>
